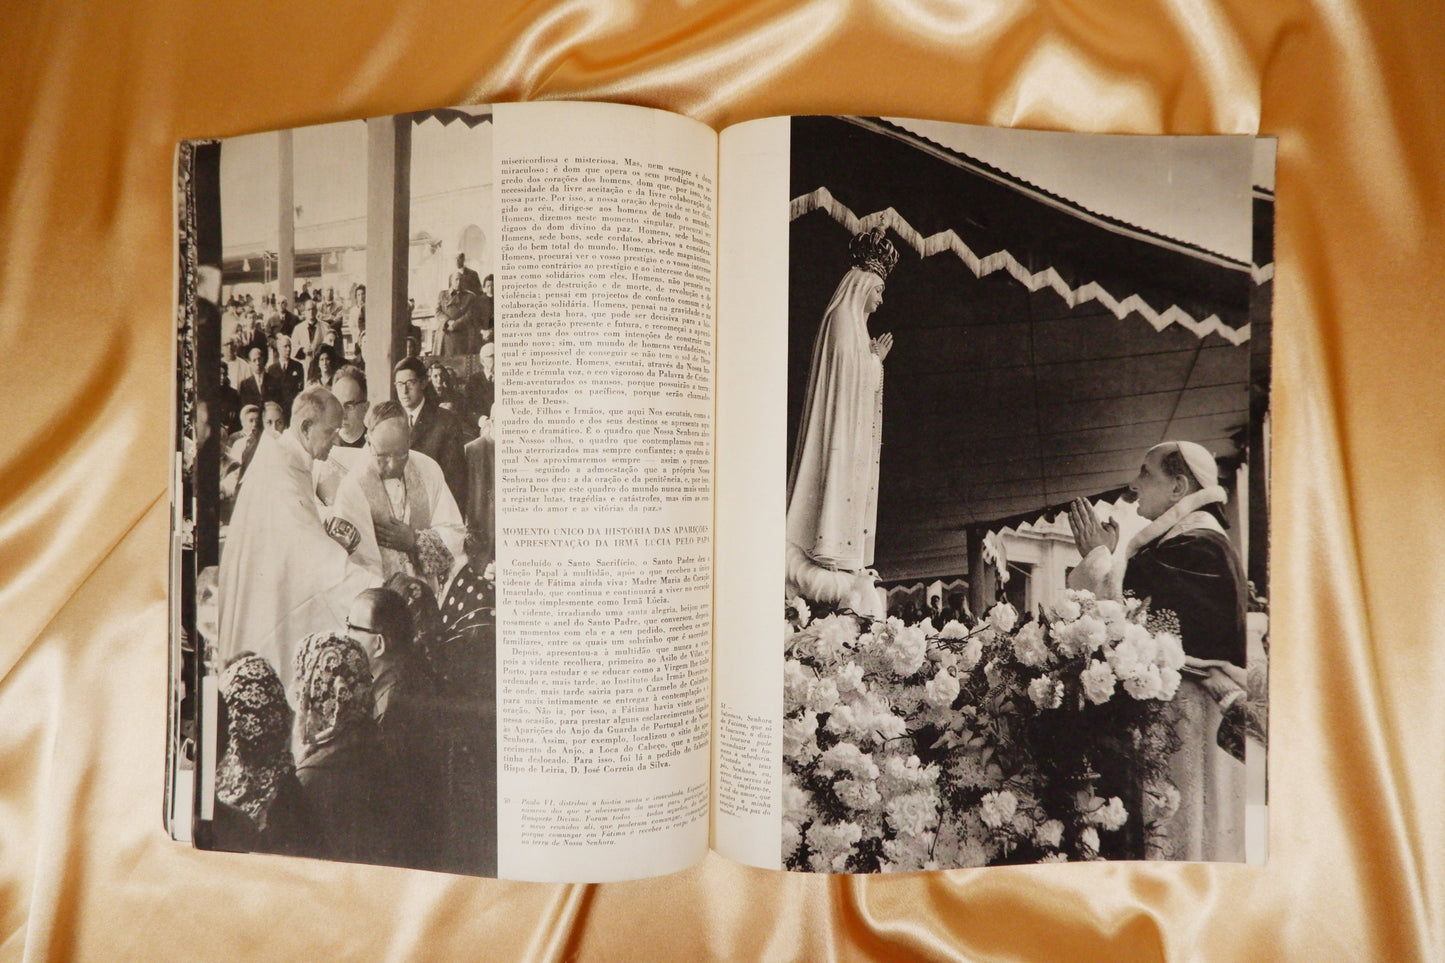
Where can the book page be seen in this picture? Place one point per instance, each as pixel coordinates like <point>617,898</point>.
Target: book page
<point>993,431</point>
<point>753,360</point>
<point>605,228</point>
<point>444,514</point>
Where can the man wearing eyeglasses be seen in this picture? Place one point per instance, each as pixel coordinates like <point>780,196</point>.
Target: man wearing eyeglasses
<point>435,432</point>
<point>399,502</point>
<point>410,718</point>
<point>349,387</point>
<point>349,452</point>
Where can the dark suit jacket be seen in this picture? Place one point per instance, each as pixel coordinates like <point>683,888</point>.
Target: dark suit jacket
<point>415,731</point>
<point>288,382</point>
<point>480,392</point>
<point>439,434</point>
<point>477,510</point>
<point>228,408</point>
<point>459,310</point>
<point>353,795</point>
<point>270,389</point>
<point>471,280</point>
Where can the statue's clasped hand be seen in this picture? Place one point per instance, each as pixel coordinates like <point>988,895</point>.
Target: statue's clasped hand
<point>882,345</point>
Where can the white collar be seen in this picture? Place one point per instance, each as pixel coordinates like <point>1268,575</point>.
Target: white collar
<point>1184,515</point>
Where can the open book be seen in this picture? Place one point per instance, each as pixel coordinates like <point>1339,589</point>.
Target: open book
<point>562,489</point>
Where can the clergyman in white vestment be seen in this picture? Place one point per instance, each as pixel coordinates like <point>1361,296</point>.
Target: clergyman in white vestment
<point>400,504</point>
<point>282,576</point>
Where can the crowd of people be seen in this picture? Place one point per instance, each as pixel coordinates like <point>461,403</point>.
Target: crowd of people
<point>937,613</point>
<point>380,752</point>
<point>356,628</point>
<point>270,355</point>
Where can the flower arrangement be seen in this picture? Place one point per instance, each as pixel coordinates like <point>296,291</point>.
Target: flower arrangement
<point>1008,740</point>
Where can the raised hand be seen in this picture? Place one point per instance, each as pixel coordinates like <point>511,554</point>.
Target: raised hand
<point>1089,533</point>
<point>882,345</point>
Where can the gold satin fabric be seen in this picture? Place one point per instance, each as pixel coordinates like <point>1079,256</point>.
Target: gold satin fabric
<point>96,92</point>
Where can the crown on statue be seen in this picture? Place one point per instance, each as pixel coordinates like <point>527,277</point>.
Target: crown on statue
<point>872,251</point>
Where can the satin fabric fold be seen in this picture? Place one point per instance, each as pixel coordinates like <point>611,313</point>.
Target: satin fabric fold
<point>95,95</point>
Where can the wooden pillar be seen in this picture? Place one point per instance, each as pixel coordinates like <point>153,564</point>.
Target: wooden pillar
<point>285,218</point>
<point>388,254</point>
<point>982,581</point>
<point>1236,510</point>
<point>1258,559</point>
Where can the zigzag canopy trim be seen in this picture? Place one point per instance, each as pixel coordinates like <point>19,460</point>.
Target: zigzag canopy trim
<point>822,199</point>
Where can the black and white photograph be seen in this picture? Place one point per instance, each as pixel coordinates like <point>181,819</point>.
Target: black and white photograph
<point>335,393</point>
<point>1027,542</point>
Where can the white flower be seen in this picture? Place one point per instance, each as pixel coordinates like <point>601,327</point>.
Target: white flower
<point>867,718</point>
<point>1168,683</point>
<point>1029,647</point>
<point>1170,651</point>
<point>954,630</point>
<point>849,758</point>
<point>1098,680</point>
<point>849,678</point>
<point>1089,839</point>
<point>1143,643</point>
<point>1110,816</point>
<point>972,652</point>
<point>1046,692</point>
<point>855,794</point>
<point>997,809</point>
<point>1055,858</point>
<point>903,775</point>
<point>834,633</point>
<point>1065,639</point>
<point>912,814</point>
<point>797,801</point>
<point>1110,610</point>
<point>1003,617</point>
<point>1123,657</point>
<point>1050,833</point>
<point>800,741</point>
<point>906,654</point>
<point>941,690</point>
<point>907,854</point>
<point>801,614</point>
<point>1144,682</point>
<point>792,836</point>
<point>1089,634</point>
<point>822,695</point>
<point>796,679</point>
<point>1067,609</point>
<point>889,725</point>
<point>832,844</point>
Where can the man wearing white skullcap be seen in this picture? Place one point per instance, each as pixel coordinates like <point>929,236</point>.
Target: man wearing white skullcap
<point>1184,563</point>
